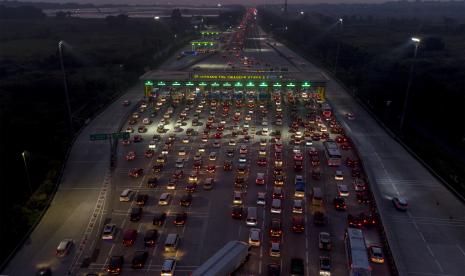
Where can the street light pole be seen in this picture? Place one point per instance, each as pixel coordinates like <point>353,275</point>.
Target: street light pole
<point>340,21</point>
<point>65,84</point>
<point>417,41</point>
<point>23,154</point>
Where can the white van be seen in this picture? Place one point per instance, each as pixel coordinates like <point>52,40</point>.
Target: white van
<point>317,197</point>
<point>251,216</point>
<point>171,242</point>
<point>126,195</point>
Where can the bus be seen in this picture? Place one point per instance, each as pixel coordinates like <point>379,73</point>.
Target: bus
<point>356,252</point>
<point>326,110</point>
<point>333,155</point>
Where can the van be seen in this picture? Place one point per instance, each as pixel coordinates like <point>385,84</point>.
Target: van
<point>126,195</point>
<point>317,197</point>
<point>171,242</point>
<point>251,216</point>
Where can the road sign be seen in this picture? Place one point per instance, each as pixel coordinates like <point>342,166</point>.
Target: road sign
<point>99,136</point>
<point>120,135</point>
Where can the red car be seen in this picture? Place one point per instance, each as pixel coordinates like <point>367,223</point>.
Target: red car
<point>129,237</point>
<point>130,156</point>
<point>236,212</point>
<point>178,174</point>
<point>261,161</point>
<point>218,135</point>
<point>339,203</point>
<point>298,156</point>
<point>149,153</point>
<point>298,166</point>
<point>126,142</point>
<point>137,138</point>
<point>136,172</point>
<point>211,168</point>
<point>346,146</point>
<point>298,224</point>
<point>354,221</point>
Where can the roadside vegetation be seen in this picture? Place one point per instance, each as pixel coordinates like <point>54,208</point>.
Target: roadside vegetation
<point>375,55</point>
<point>102,58</point>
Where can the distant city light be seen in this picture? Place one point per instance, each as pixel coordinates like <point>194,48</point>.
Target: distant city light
<point>157,18</point>
<point>416,39</point>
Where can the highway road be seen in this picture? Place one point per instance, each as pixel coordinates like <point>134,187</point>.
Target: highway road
<point>426,240</point>
<point>429,238</point>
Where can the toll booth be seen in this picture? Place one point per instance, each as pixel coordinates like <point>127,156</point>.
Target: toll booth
<point>234,85</point>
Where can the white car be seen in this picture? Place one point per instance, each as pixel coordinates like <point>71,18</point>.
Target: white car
<point>64,247</point>
<point>254,237</point>
<point>168,267</point>
<point>152,145</point>
<point>400,203</point>
<point>164,199</point>
<point>261,198</point>
<point>275,249</point>
<point>298,206</point>
<point>276,206</point>
<point>242,158</point>
<point>109,231</point>
<point>179,163</point>
<point>339,176</point>
<point>296,149</point>
<point>343,190</point>
<point>146,121</point>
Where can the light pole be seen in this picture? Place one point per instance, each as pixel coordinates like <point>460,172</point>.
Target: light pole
<point>23,154</point>
<point>340,21</point>
<point>416,41</point>
<point>65,83</point>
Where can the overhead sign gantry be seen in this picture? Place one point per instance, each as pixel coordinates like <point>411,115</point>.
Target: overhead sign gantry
<point>313,84</point>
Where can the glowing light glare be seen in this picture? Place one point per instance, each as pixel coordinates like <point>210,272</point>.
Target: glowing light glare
<point>341,20</point>
<point>148,82</point>
<point>176,83</point>
<point>416,39</point>
<point>250,84</point>
<point>161,83</point>
<point>156,18</point>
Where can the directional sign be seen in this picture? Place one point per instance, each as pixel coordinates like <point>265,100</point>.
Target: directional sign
<point>120,135</point>
<point>99,136</point>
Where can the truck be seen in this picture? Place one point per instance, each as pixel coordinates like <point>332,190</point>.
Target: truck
<point>225,261</point>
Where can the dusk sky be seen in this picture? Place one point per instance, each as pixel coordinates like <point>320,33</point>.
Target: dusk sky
<point>209,2</point>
